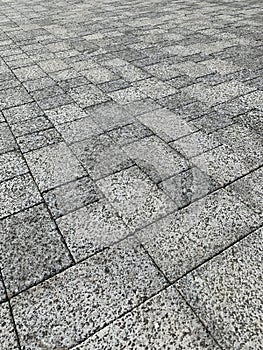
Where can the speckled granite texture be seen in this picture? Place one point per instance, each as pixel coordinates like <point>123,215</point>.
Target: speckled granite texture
<point>131,175</point>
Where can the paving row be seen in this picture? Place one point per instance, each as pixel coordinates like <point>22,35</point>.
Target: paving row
<point>131,178</point>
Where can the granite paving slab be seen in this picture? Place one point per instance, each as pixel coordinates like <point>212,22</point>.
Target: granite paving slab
<point>7,332</point>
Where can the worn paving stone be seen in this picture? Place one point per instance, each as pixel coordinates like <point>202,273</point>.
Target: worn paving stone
<point>183,240</point>
<point>159,323</point>
<point>100,156</point>
<point>166,124</point>
<point>225,293</point>
<point>53,165</point>
<point>11,164</point>
<point>156,158</point>
<point>31,249</point>
<point>71,196</point>
<point>137,200</point>
<point>18,193</point>
<point>7,332</point>
<point>91,229</point>
<point>63,304</point>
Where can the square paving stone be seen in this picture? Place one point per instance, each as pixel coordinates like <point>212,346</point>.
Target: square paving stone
<point>21,113</point>
<point>29,73</point>
<point>30,125</point>
<point>31,249</point>
<point>42,138</point>
<point>159,323</point>
<point>137,200</point>
<point>13,97</point>
<point>100,156</point>
<point>127,95</point>
<point>188,186</point>
<point>110,115</point>
<point>195,144</point>
<point>65,114</point>
<point>79,130</point>
<point>71,196</point>
<point>91,229</point>
<point>156,158</point>
<point>18,193</point>
<point>8,338</point>
<point>88,95</point>
<point>129,133</point>
<point>155,88</point>
<point>225,292</point>
<point>11,164</point>
<point>67,308</point>
<point>53,165</point>
<point>183,240</point>
<point>7,141</point>
<point>222,164</point>
<point>166,124</point>
<point>249,189</point>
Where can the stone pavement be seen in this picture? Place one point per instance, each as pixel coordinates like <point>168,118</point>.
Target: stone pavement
<point>131,153</point>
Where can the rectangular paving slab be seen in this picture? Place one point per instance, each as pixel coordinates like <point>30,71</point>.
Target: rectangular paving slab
<point>7,332</point>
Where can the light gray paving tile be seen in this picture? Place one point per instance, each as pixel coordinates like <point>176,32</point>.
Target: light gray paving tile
<point>13,97</point>
<point>137,200</point>
<point>7,332</point>
<point>195,144</point>
<point>31,249</point>
<point>11,164</point>
<point>30,125</point>
<point>155,88</point>
<point>88,95</point>
<point>92,228</point>
<point>53,165</point>
<point>65,114</point>
<point>253,100</point>
<point>222,164</point>
<point>129,133</point>
<point>192,69</point>
<point>226,293</point>
<point>2,291</point>
<point>188,186</point>
<point>55,101</point>
<point>166,124</point>
<point>38,84</point>
<point>52,65</point>
<point>18,193</point>
<point>220,66</point>
<point>7,141</point>
<point>159,323</point>
<point>42,138</point>
<point>71,196</point>
<point>29,73</point>
<point>54,314</point>
<point>110,115</point>
<point>130,73</point>
<point>249,189</point>
<point>99,75</point>
<point>21,113</point>
<point>100,156</point>
<point>79,130</point>
<point>139,107</point>
<point>127,95</point>
<point>183,240</point>
<point>156,158</point>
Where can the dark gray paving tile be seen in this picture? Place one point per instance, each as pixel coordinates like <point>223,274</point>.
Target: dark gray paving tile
<point>7,332</point>
<point>188,186</point>
<point>88,95</point>
<point>55,312</point>
<point>21,113</point>
<point>31,249</point>
<point>137,200</point>
<point>30,142</point>
<point>225,293</point>
<point>71,196</point>
<point>185,239</point>
<point>156,158</point>
<point>100,156</point>
<point>159,323</point>
<point>252,120</point>
<point>11,164</point>
<point>166,124</point>
<point>30,125</point>
<point>91,229</point>
<point>18,193</point>
<point>53,165</point>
